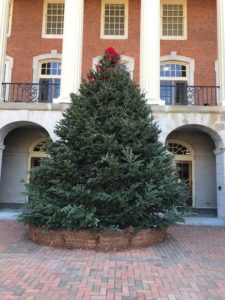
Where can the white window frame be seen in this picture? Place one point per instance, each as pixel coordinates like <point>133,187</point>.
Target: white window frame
<point>114,37</point>
<point>128,61</point>
<point>11,3</point>
<point>174,2</point>
<point>8,69</point>
<point>44,34</point>
<point>43,57</point>
<point>179,59</point>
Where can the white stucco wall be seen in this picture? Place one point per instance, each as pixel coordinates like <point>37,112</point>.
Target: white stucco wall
<point>209,120</point>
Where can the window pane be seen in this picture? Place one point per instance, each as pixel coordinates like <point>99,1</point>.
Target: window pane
<point>114,19</point>
<point>172,20</point>
<point>55,18</point>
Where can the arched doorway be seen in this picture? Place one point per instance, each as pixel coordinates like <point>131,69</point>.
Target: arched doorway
<point>16,160</point>
<point>185,165</point>
<point>36,153</point>
<point>194,154</point>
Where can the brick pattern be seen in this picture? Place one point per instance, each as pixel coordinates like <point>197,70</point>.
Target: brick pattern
<point>190,265</point>
<point>26,42</point>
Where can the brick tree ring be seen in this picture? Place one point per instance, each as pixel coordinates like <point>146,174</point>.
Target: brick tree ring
<point>98,241</point>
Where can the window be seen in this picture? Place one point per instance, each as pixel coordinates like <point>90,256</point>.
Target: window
<point>53,19</point>
<point>49,79</point>
<point>178,149</point>
<point>173,19</point>
<point>10,17</point>
<point>36,154</point>
<point>173,83</point>
<point>114,23</point>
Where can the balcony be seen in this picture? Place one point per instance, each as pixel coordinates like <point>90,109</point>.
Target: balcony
<point>182,94</point>
<point>31,92</point>
<point>178,94</point>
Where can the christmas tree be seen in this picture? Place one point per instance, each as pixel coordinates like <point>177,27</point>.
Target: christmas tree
<point>107,169</point>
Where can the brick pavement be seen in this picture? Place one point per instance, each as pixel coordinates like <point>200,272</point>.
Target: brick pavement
<point>190,265</point>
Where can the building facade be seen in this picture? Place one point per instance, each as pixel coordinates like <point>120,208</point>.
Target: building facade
<point>175,50</point>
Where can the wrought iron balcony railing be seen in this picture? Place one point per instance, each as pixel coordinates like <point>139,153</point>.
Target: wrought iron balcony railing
<point>182,94</point>
<point>178,94</point>
<point>30,92</point>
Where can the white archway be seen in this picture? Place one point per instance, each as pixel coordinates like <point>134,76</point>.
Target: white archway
<point>201,143</point>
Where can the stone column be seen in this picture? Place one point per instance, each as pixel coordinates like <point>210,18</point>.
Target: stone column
<point>2,147</point>
<point>220,181</point>
<point>221,48</point>
<point>4,16</point>
<point>150,50</point>
<point>72,49</point>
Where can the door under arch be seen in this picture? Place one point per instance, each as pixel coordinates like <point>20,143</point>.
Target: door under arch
<point>184,161</point>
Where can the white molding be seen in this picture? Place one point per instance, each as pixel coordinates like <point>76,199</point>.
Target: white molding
<point>219,151</point>
<point>37,59</point>
<point>2,147</point>
<point>8,69</point>
<point>190,63</point>
<point>114,37</point>
<point>4,13</point>
<point>129,63</point>
<point>221,48</point>
<point>10,18</point>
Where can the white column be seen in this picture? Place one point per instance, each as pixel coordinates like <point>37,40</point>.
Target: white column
<point>220,181</point>
<point>4,15</point>
<point>2,147</point>
<point>221,47</point>
<point>150,50</point>
<point>72,49</point>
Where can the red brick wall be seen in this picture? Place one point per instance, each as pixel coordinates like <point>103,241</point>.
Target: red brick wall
<point>26,41</point>
<point>201,43</point>
<point>94,46</point>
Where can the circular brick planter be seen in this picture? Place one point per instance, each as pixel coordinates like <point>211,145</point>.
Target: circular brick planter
<point>100,241</point>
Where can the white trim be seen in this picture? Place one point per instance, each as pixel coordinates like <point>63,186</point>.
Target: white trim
<point>181,2</point>
<point>11,3</point>
<point>8,69</point>
<point>114,37</point>
<point>188,61</point>
<point>8,74</point>
<point>191,158</point>
<point>31,154</point>
<point>44,34</point>
<point>43,57</point>
<point>217,82</point>
<point>129,63</point>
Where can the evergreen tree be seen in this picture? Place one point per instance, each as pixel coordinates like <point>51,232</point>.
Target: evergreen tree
<point>107,169</point>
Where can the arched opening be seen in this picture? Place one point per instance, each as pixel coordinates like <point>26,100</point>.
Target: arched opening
<point>185,165</point>
<point>17,160</point>
<point>194,147</point>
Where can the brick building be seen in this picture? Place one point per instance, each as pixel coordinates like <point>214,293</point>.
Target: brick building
<point>175,50</point>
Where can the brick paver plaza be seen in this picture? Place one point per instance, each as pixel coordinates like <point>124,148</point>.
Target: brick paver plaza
<point>190,265</point>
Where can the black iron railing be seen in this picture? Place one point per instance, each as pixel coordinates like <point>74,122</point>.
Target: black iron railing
<point>179,94</point>
<point>182,94</point>
<point>30,92</point>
